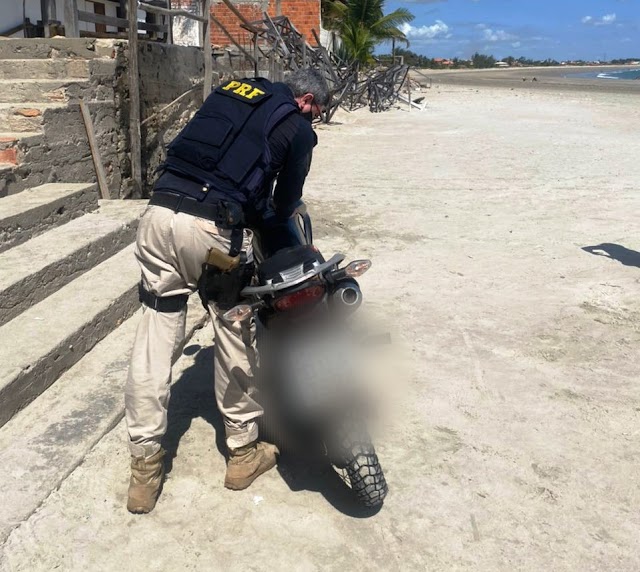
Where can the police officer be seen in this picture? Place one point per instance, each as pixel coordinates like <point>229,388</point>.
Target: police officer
<point>217,179</point>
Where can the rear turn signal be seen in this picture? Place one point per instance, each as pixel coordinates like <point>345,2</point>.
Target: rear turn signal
<point>299,298</point>
<point>357,268</point>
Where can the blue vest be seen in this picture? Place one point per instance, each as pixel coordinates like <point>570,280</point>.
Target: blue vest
<point>224,147</point>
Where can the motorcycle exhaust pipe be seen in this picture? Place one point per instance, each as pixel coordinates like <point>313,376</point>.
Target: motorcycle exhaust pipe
<point>347,296</point>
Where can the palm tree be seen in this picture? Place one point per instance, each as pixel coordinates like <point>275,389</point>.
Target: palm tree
<point>362,25</point>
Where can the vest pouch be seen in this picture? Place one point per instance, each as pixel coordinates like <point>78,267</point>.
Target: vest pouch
<point>241,157</point>
<point>202,140</point>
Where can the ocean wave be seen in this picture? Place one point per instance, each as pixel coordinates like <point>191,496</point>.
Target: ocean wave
<point>624,74</point>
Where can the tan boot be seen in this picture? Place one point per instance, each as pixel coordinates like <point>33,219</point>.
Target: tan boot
<point>145,483</point>
<point>247,463</point>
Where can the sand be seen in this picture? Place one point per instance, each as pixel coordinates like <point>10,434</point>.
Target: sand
<point>514,442</point>
<point>533,78</point>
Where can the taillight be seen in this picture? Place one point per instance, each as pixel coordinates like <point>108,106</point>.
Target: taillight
<point>299,298</point>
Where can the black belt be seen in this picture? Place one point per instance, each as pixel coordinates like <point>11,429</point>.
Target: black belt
<point>223,213</point>
<point>165,304</point>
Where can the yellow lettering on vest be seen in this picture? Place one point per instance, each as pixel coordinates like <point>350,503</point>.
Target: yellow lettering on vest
<point>255,92</point>
<point>231,85</point>
<point>243,89</point>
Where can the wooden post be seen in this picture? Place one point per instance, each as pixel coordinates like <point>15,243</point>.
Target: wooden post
<point>206,46</point>
<point>95,152</point>
<point>134,102</point>
<point>48,10</point>
<point>71,27</point>
<point>256,55</point>
<point>271,67</point>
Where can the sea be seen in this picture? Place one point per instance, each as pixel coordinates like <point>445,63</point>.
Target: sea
<point>609,74</point>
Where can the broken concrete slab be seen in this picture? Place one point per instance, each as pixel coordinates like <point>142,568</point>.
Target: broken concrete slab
<point>35,269</point>
<point>51,336</point>
<point>36,210</point>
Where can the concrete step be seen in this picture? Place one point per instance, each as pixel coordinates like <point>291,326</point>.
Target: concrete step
<point>50,337</point>
<point>26,116</point>
<point>35,269</point>
<point>45,442</point>
<point>35,210</point>
<point>45,90</point>
<point>42,48</point>
<point>44,69</point>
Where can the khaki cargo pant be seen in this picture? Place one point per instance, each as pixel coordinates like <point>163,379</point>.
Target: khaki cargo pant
<point>171,248</point>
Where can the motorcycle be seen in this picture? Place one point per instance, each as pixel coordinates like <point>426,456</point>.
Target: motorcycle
<point>302,304</point>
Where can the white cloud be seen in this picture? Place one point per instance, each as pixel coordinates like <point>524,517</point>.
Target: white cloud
<point>425,32</point>
<point>606,20</point>
<point>516,44</point>
<point>489,35</point>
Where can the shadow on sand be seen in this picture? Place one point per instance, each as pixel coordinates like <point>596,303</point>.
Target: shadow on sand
<point>617,252</point>
<point>192,396</point>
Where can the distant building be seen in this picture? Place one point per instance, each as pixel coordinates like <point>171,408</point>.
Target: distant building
<point>442,62</point>
<point>501,65</point>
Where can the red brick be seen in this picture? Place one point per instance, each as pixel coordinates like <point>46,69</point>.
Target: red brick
<point>27,112</point>
<point>9,156</point>
<point>304,15</point>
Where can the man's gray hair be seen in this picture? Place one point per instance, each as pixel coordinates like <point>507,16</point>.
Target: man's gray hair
<point>309,80</point>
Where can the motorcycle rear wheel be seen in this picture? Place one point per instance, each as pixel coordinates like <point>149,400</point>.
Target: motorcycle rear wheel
<point>362,473</point>
<point>367,480</point>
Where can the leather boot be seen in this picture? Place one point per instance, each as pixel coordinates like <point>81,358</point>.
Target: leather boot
<point>146,480</point>
<point>247,463</point>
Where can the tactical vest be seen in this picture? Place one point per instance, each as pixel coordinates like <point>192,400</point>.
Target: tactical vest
<point>224,147</point>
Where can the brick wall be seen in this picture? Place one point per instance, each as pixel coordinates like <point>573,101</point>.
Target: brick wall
<point>304,14</point>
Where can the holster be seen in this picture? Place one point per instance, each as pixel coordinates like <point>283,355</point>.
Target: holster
<point>223,278</point>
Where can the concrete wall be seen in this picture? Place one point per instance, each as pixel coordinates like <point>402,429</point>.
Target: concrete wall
<point>166,73</point>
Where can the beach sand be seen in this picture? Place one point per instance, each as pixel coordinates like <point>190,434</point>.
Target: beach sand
<point>513,441</point>
<point>530,78</point>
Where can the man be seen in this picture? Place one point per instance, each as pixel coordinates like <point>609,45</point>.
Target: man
<point>217,179</point>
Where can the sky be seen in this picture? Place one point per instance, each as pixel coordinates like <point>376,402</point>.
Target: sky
<point>536,29</point>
